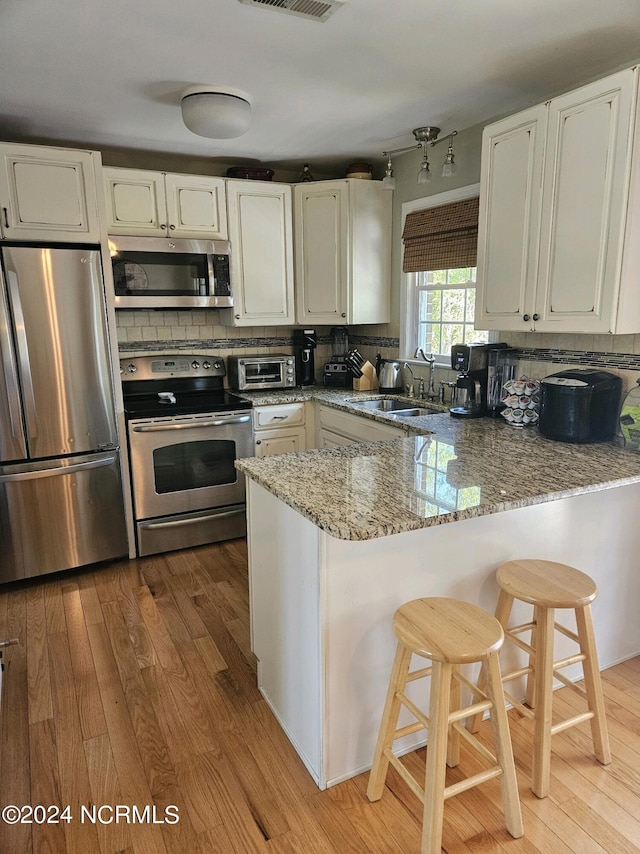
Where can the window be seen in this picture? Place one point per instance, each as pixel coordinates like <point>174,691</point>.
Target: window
<point>443,310</point>
<point>439,283</point>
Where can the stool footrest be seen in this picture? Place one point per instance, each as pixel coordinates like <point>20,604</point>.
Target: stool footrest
<point>475,743</point>
<point>470,782</point>
<point>514,674</point>
<point>519,706</point>
<point>407,776</point>
<point>518,642</point>
<point>570,659</point>
<point>567,632</point>
<point>578,719</point>
<point>415,711</point>
<point>418,674</point>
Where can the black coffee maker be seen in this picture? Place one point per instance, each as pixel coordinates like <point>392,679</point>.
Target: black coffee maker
<point>304,343</point>
<point>469,395</point>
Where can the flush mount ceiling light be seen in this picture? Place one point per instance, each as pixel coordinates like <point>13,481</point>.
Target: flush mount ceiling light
<point>426,137</point>
<point>216,113</point>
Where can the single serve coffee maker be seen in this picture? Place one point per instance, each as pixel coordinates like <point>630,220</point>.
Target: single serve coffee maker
<point>304,343</point>
<point>469,394</point>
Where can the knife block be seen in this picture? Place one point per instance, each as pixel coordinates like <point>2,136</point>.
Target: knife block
<point>368,380</point>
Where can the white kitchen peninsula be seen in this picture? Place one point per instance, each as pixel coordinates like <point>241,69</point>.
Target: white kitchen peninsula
<point>339,538</point>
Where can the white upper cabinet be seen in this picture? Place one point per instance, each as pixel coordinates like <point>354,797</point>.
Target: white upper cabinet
<point>48,193</point>
<point>557,199</point>
<point>343,252</point>
<point>261,235</point>
<point>160,203</point>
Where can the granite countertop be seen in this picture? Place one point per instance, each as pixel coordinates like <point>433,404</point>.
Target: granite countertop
<point>445,470</point>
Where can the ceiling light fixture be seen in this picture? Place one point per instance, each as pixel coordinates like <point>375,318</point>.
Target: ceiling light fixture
<point>216,113</point>
<point>426,137</point>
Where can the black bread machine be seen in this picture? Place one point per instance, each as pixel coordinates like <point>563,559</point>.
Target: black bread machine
<point>580,405</point>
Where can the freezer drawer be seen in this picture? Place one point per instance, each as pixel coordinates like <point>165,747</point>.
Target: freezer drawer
<point>60,514</point>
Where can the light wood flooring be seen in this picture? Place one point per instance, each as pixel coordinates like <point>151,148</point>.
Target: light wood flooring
<point>134,684</point>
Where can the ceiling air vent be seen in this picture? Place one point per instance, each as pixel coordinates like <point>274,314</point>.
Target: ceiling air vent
<point>317,10</point>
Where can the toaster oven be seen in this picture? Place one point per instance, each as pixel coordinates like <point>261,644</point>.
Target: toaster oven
<point>261,372</point>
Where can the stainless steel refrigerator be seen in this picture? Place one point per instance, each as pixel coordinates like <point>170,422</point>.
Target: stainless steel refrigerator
<point>61,503</point>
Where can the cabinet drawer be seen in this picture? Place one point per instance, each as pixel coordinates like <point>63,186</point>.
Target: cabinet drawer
<point>356,427</point>
<point>268,417</point>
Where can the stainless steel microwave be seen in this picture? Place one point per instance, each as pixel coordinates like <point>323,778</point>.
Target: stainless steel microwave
<point>160,272</point>
<point>258,372</point>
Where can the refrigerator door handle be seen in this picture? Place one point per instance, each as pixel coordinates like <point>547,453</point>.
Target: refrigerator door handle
<point>54,471</point>
<point>8,364</point>
<point>23,353</point>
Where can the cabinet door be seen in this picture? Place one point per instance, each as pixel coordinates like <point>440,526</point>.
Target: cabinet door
<point>285,440</point>
<point>135,201</point>
<point>584,203</point>
<point>48,193</point>
<point>321,222</point>
<point>261,235</point>
<point>509,220</point>
<point>196,206</point>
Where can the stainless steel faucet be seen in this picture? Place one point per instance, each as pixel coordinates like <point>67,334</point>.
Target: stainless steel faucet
<point>432,394</point>
<point>409,386</point>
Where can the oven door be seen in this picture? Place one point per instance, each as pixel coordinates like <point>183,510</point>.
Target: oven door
<point>185,463</point>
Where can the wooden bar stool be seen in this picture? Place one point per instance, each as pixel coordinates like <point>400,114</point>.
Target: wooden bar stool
<point>449,633</point>
<point>547,586</point>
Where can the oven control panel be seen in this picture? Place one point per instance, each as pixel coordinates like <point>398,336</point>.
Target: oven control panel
<point>154,367</point>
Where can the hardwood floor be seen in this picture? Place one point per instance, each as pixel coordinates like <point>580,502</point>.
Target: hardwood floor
<point>134,684</point>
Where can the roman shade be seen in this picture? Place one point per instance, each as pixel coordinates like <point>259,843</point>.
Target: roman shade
<point>441,238</point>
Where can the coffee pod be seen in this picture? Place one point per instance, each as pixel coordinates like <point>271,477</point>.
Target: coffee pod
<point>527,416</point>
<point>509,386</point>
<point>530,387</point>
<point>507,413</point>
<point>519,386</point>
<point>517,415</point>
<point>512,401</point>
<point>523,401</point>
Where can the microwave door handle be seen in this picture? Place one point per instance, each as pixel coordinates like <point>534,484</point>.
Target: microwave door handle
<point>10,378</point>
<point>189,425</point>
<point>23,354</point>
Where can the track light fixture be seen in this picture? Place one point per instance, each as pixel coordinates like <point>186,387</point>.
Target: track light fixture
<point>426,137</point>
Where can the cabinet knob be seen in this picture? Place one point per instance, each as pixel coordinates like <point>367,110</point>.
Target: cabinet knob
<point>526,317</point>
<point>172,228</point>
<point>163,226</point>
<point>536,317</point>
<point>258,441</point>
<point>237,317</point>
<point>344,314</point>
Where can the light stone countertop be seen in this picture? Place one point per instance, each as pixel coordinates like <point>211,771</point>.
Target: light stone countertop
<point>447,469</point>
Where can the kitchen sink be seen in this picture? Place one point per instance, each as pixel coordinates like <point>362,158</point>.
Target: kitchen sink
<point>414,412</point>
<point>397,407</point>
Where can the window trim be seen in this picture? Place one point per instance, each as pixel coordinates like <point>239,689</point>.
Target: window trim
<point>407,312</point>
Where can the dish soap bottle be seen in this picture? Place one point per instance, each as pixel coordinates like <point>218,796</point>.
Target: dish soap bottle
<point>630,418</point>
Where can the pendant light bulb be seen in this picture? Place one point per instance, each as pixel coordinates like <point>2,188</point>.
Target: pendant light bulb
<point>388,182</point>
<point>424,173</point>
<point>449,167</point>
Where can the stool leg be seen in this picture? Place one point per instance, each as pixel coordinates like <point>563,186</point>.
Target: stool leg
<point>530,692</point>
<point>541,770</point>
<point>453,742</point>
<point>436,758</point>
<point>389,723</point>
<point>504,750</point>
<point>503,612</point>
<point>593,685</point>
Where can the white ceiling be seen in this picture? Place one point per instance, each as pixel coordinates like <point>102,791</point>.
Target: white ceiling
<point>109,73</point>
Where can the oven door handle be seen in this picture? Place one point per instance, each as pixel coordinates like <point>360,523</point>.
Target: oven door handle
<point>189,425</point>
<point>179,523</point>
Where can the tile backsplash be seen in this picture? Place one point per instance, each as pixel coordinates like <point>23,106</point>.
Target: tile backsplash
<point>142,332</point>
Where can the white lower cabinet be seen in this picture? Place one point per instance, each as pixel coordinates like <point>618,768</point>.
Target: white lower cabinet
<point>336,427</point>
<point>279,429</point>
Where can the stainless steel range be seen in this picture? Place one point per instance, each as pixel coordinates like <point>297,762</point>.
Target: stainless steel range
<point>185,433</point>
